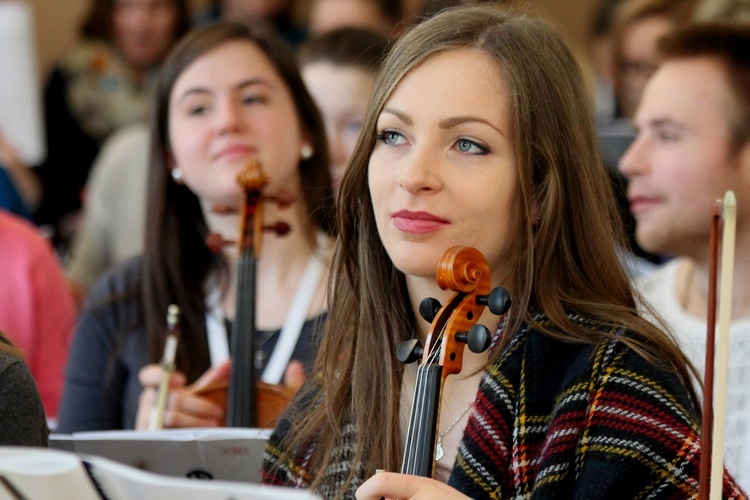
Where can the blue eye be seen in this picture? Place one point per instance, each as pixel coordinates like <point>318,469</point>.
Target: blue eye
<point>389,137</point>
<point>470,147</point>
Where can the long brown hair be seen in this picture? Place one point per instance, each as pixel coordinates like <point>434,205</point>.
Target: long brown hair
<point>565,262</point>
<point>177,261</point>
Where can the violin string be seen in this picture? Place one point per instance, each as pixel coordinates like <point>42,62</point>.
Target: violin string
<point>418,401</point>
<point>417,404</point>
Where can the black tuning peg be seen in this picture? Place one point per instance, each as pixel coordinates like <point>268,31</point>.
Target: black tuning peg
<point>409,351</point>
<point>498,301</point>
<point>478,338</point>
<point>429,308</point>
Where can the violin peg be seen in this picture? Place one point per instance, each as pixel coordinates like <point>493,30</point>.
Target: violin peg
<point>215,242</point>
<point>478,338</point>
<point>224,209</point>
<point>409,351</point>
<point>498,301</point>
<point>280,228</point>
<point>429,309</point>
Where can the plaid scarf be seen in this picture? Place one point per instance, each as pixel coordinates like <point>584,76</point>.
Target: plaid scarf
<point>557,420</point>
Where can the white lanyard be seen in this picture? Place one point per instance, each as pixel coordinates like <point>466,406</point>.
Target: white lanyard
<point>293,322</point>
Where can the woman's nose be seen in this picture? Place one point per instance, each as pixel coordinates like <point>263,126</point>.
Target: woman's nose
<point>420,171</point>
<point>230,118</point>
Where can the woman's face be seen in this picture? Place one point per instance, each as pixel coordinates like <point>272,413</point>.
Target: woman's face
<point>227,107</point>
<point>341,93</point>
<point>144,30</point>
<point>443,170</point>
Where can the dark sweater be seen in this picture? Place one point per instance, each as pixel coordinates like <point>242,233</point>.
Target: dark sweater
<point>110,347</point>
<point>22,419</point>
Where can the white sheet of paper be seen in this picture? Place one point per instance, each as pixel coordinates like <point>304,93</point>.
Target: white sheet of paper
<point>20,91</point>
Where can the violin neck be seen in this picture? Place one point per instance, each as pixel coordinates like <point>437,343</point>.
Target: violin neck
<point>419,453</point>
<point>241,405</point>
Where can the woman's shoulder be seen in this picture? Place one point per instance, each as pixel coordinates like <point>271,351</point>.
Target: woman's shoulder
<point>22,237</point>
<point>120,284</point>
<point>610,359</point>
<point>7,359</point>
<point>21,409</point>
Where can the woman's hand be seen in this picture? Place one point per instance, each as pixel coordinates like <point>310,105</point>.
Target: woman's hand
<point>391,485</point>
<point>184,409</point>
<point>294,376</point>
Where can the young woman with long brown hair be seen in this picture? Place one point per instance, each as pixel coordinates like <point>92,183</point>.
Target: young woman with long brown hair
<point>479,133</point>
<point>227,94</point>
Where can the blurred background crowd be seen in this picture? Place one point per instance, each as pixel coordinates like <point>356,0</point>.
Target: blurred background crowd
<point>82,209</point>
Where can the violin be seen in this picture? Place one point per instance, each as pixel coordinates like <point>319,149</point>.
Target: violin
<point>249,402</point>
<point>453,326</point>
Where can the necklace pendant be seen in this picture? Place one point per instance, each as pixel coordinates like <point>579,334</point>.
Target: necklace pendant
<point>438,450</point>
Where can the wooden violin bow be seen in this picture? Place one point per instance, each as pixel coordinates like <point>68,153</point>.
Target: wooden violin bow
<point>715,384</point>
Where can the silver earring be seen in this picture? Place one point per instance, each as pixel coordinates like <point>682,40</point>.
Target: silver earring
<point>306,152</point>
<point>177,175</point>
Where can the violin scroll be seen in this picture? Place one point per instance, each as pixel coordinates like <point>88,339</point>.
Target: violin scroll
<point>465,271</point>
<point>252,180</point>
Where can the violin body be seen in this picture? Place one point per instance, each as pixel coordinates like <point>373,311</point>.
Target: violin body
<point>270,400</point>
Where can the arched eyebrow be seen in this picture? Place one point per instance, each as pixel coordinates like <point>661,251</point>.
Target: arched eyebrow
<point>398,114</point>
<point>458,120</point>
<point>250,82</point>
<point>447,123</point>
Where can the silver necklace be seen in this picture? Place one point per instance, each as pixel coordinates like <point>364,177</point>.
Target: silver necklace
<point>439,445</point>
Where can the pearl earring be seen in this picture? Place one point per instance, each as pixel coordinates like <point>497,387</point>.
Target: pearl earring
<point>177,175</point>
<point>306,152</point>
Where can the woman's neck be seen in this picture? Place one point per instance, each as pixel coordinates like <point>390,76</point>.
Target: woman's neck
<point>280,264</point>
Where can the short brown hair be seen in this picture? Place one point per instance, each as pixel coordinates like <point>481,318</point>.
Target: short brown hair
<point>729,44</point>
